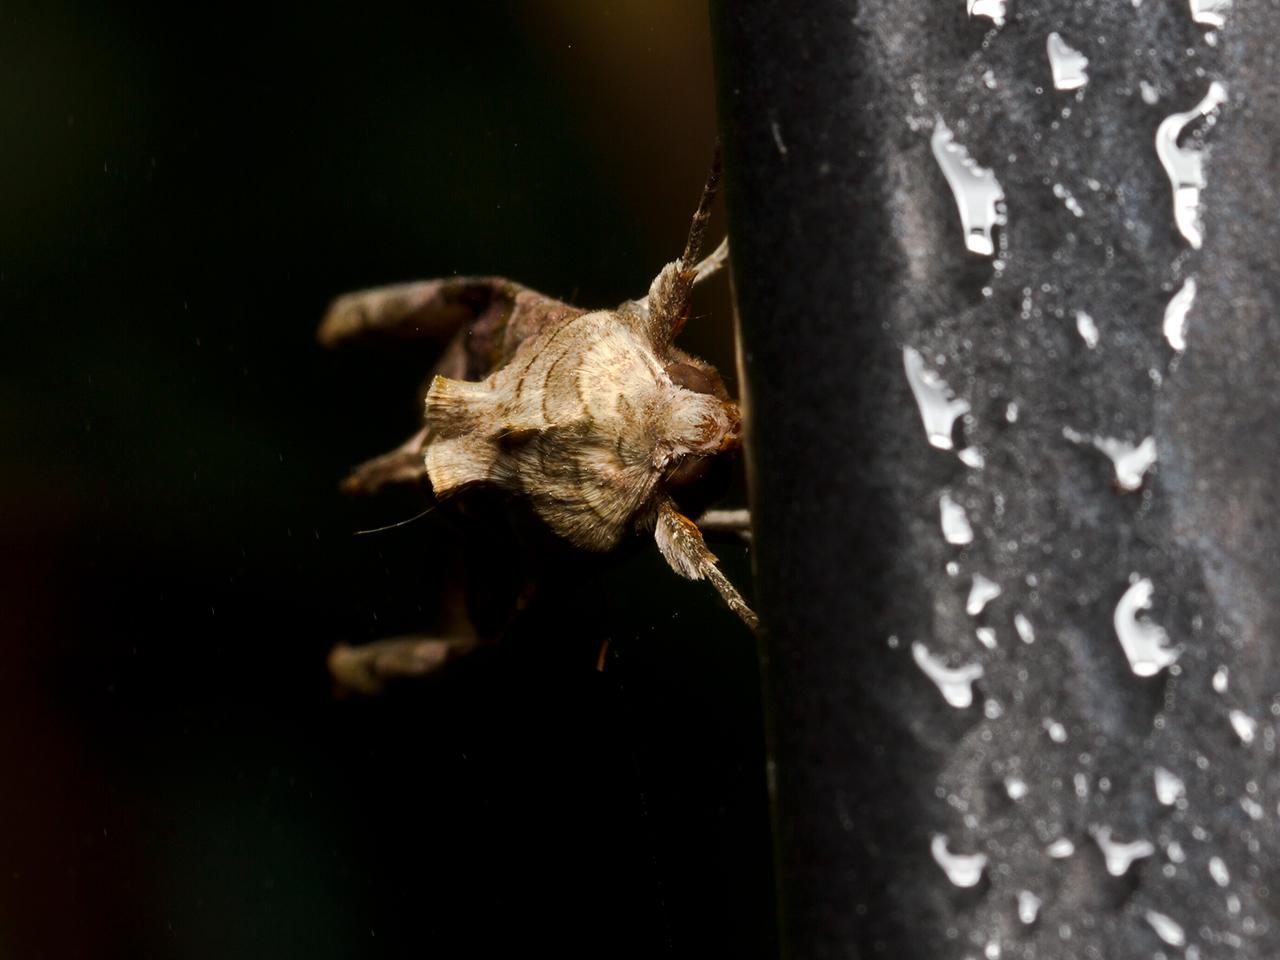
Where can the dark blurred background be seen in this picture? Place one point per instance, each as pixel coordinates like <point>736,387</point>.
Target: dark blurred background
<point>181,192</point>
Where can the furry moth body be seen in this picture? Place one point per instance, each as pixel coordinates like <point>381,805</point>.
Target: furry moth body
<point>594,418</point>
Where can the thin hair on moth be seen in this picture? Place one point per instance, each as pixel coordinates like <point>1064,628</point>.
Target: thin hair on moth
<point>594,419</point>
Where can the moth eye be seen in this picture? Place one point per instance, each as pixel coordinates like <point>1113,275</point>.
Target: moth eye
<point>697,380</point>
<point>686,469</point>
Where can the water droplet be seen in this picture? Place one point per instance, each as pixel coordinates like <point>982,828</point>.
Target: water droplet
<point>992,710</point>
<point>1211,13</point>
<point>777,138</point>
<point>1057,732</point>
<point>1175,851</point>
<point>1233,904</point>
<point>1068,200</point>
<point>987,637</point>
<point>1129,462</point>
<point>1082,785</point>
<point>962,869</point>
<point>1185,165</point>
<point>993,10</point>
<point>1218,870</point>
<point>1244,725</point>
<point>981,592</point>
<point>1145,644</point>
<point>1026,633</point>
<point>1060,849</point>
<point>1028,907</point>
<point>1069,66</point>
<point>1169,788</point>
<point>938,406</point>
<point>955,524</point>
<point>1120,856</point>
<point>1149,93</point>
<point>1220,678</point>
<point>956,683</point>
<point>977,192</point>
<point>1166,929</point>
<point>1011,412</point>
<point>1015,787</point>
<point>1175,315</point>
<point>1251,807</point>
<point>972,457</point>
<point>1087,329</point>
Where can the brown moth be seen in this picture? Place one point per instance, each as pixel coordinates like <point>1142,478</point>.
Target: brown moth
<point>592,417</point>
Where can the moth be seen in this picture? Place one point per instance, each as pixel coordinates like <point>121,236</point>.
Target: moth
<point>593,420</point>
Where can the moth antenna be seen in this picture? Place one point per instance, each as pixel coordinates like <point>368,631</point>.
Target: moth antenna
<point>399,523</point>
<point>700,216</point>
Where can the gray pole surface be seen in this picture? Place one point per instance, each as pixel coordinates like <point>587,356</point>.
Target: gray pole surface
<point>1082,764</point>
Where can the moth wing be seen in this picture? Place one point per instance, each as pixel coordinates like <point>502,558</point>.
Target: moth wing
<point>474,324</point>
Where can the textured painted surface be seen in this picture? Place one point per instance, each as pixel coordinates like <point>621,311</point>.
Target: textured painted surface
<point>848,249</point>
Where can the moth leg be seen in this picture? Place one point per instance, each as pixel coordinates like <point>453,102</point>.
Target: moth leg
<point>713,263</point>
<point>368,668</point>
<point>727,521</point>
<point>401,467</point>
<point>681,543</point>
<point>428,310</point>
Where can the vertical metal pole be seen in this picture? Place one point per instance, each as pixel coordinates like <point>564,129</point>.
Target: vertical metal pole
<point>1082,764</point>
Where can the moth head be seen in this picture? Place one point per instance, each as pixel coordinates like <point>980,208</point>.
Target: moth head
<point>692,428</point>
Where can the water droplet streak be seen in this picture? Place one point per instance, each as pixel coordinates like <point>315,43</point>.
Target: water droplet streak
<point>1070,67</point>
<point>993,10</point>
<point>1185,165</point>
<point>1166,929</point>
<point>1145,644</point>
<point>1130,462</point>
<point>979,196</point>
<point>1120,856</point>
<point>981,592</point>
<point>1218,870</point>
<point>1087,329</point>
<point>1026,632</point>
<point>1175,314</point>
<point>1210,13</point>
<point>1169,787</point>
<point>1245,726</point>
<point>1060,849</point>
<point>938,407</point>
<point>955,524</point>
<point>1028,907</point>
<point>955,683</point>
<point>962,869</point>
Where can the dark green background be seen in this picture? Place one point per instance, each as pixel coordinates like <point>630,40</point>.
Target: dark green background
<point>181,192</point>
